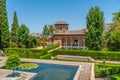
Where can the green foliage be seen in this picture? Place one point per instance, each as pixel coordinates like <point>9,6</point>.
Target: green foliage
<point>33,42</point>
<point>4,29</point>
<point>22,52</point>
<point>115,41</point>
<point>2,53</point>
<point>95,26</point>
<point>47,56</point>
<point>114,38</point>
<point>115,77</point>
<point>13,61</point>
<point>29,53</point>
<point>23,35</point>
<point>28,66</point>
<point>12,45</point>
<point>50,47</point>
<point>103,70</point>
<point>25,40</point>
<point>52,30</point>
<point>15,26</point>
<point>45,32</point>
<point>99,55</point>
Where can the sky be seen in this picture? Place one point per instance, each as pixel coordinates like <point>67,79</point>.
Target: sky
<point>37,13</point>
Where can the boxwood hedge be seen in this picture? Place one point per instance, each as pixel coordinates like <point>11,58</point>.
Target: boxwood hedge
<point>99,55</point>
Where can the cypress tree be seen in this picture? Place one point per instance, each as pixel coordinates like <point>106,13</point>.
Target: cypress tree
<point>15,26</point>
<point>4,29</point>
<point>95,26</point>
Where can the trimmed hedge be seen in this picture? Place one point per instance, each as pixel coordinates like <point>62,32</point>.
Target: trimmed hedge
<point>99,55</point>
<point>115,77</point>
<point>24,53</point>
<point>50,47</point>
<point>103,70</point>
<point>29,53</point>
<point>47,56</point>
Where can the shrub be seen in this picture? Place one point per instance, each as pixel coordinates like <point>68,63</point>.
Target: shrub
<point>99,55</point>
<point>23,52</point>
<point>2,53</point>
<point>115,77</point>
<point>13,45</point>
<point>50,47</point>
<point>47,56</point>
<point>13,61</point>
<point>103,70</point>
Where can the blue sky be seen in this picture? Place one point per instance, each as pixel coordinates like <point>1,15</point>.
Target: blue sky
<point>36,13</point>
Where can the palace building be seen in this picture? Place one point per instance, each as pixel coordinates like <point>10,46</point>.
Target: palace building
<point>69,38</point>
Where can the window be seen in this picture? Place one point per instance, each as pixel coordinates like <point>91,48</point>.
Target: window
<point>63,28</point>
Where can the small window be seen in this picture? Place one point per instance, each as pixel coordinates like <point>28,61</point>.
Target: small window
<point>63,28</point>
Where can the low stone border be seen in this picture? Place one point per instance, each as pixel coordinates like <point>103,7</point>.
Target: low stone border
<point>81,58</point>
<point>4,73</point>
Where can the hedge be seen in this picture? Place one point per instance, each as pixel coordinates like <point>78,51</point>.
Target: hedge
<point>50,47</point>
<point>115,77</point>
<point>26,53</point>
<point>103,70</point>
<point>99,55</point>
<point>47,56</point>
<point>29,53</point>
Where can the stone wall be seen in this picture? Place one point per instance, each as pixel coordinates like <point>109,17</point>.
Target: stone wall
<point>80,58</point>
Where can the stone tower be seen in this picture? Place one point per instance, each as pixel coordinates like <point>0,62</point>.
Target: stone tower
<point>61,27</point>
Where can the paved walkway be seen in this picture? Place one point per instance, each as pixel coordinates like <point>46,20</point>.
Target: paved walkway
<point>111,62</point>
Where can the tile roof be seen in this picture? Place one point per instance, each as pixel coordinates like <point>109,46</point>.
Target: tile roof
<point>61,22</point>
<point>72,32</point>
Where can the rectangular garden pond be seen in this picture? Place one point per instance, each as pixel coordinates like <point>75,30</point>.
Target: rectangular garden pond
<point>53,72</point>
<point>56,70</point>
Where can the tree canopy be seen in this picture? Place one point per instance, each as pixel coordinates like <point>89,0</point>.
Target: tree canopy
<point>15,26</point>
<point>4,29</point>
<point>95,26</point>
<point>13,61</point>
<point>114,37</point>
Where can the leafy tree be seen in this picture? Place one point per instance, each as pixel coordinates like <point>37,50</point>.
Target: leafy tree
<point>13,61</point>
<point>114,38</point>
<point>52,30</point>
<point>15,26</point>
<point>43,42</point>
<point>23,36</point>
<point>25,40</point>
<point>4,29</point>
<point>45,32</point>
<point>95,26</point>
<point>33,42</point>
<point>116,20</point>
<point>45,36</point>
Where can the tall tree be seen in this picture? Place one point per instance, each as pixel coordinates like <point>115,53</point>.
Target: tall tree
<point>45,32</point>
<point>4,29</point>
<point>23,36</point>
<point>15,26</point>
<point>116,20</point>
<point>114,38</point>
<point>95,26</point>
<point>52,30</point>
